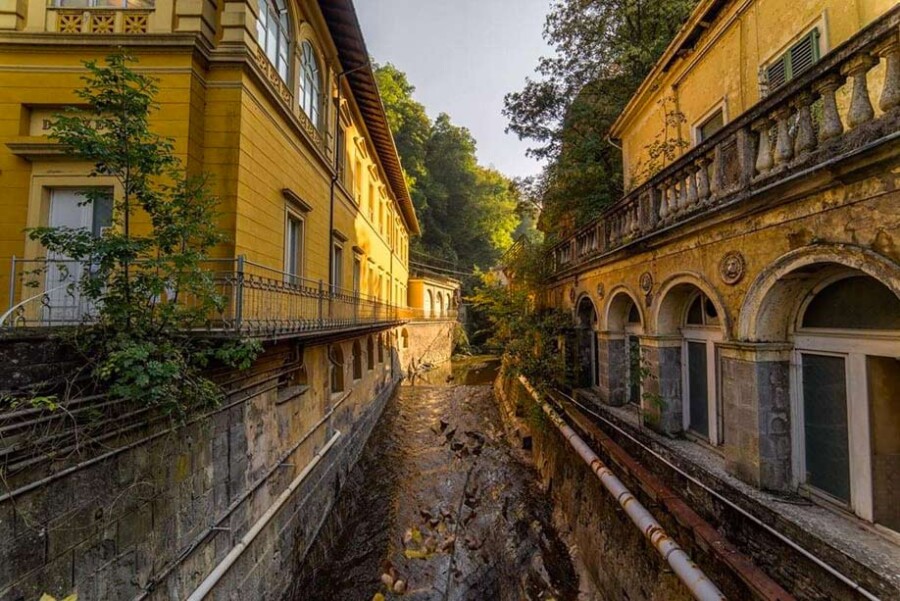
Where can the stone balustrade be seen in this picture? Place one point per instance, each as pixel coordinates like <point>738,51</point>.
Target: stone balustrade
<point>805,123</point>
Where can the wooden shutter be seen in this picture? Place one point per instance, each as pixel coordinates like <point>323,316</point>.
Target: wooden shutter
<point>800,57</point>
<point>804,54</point>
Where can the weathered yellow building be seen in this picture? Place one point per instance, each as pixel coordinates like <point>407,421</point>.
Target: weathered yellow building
<point>276,102</point>
<point>727,57</point>
<point>745,293</point>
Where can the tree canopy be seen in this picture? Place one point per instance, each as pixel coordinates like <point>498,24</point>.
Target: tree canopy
<point>468,212</point>
<point>603,49</point>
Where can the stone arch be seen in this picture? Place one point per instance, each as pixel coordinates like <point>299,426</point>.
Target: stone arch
<point>615,316</point>
<point>586,313</point>
<point>674,294</point>
<point>429,302</point>
<point>439,311</point>
<point>774,299</point>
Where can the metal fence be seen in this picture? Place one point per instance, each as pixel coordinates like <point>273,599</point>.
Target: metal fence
<point>257,300</point>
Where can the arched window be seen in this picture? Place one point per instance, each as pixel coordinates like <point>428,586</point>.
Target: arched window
<point>336,357</point>
<point>846,413</point>
<point>701,331</point>
<point>588,367</point>
<point>380,349</point>
<point>370,353</point>
<point>404,336</point>
<point>273,30</point>
<point>357,360</point>
<point>310,84</point>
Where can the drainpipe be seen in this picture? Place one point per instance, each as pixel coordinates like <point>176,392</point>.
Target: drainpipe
<point>334,177</point>
<point>220,570</point>
<point>700,586</point>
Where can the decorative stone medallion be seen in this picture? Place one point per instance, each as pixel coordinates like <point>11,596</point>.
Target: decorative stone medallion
<point>601,291</point>
<point>646,282</point>
<point>732,267</point>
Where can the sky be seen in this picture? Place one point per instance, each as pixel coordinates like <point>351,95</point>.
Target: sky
<point>463,56</point>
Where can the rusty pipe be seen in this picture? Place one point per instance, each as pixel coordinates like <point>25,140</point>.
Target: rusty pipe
<point>700,586</point>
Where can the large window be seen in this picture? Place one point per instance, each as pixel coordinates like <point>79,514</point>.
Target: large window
<point>273,29</point>
<point>845,403</point>
<point>337,275</point>
<point>310,84</point>
<point>701,330</point>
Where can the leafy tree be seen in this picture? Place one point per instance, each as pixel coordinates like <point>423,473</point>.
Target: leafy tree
<point>603,51</point>
<point>148,286</point>
<point>467,211</point>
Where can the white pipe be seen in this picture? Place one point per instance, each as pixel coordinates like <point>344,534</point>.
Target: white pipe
<point>222,568</point>
<point>700,586</point>
<point>856,586</point>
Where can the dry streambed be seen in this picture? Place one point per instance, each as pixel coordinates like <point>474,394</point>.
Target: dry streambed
<point>440,508</point>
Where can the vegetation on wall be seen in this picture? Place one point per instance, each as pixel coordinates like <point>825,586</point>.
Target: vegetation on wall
<point>527,334</point>
<point>149,287</point>
<point>603,49</point>
<point>468,212</point>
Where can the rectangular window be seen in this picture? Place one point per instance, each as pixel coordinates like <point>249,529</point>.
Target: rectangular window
<point>337,274</point>
<point>371,200</point>
<point>825,426</point>
<point>798,58</point>
<point>340,156</point>
<point>357,191</point>
<point>293,249</point>
<point>711,125</point>
<point>357,275</point>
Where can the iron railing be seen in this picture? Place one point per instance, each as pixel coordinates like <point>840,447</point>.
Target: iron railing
<point>802,126</point>
<point>256,300</point>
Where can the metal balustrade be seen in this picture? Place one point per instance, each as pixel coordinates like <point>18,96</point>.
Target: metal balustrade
<point>256,300</point>
<point>797,128</point>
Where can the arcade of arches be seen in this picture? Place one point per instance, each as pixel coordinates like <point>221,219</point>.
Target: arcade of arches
<point>795,383</point>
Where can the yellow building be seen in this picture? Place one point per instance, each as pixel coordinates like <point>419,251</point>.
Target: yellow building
<point>276,101</point>
<point>727,57</point>
<point>746,293</point>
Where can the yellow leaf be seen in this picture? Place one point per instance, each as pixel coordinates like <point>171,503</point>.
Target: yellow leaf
<point>46,597</point>
<point>416,554</point>
<point>72,597</point>
<point>378,597</point>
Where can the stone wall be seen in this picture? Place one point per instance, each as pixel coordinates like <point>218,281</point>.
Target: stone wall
<point>747,562</point>
<point>427,342</point>
<point>150,509</point>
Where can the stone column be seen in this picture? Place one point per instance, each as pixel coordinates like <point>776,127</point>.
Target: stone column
<point>756,412</point>
<point>662,403</point>
<point>611,354</point>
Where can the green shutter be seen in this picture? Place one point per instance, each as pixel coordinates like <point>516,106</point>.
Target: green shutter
<point>800,57</point>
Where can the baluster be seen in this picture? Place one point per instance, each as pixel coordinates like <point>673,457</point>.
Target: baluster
<point>692,195</point>
<point>633,212</point>
<point>663,202</point>
<point>703,179</point>
<point>831,118</point>
<point>764,160</point>
<point>784,146</point>
<point>682,194</point>
<point>673,198</point>
<point>805,141</point>
<point>889,50</point>
<point>861,109</point>
<point>717,184</point>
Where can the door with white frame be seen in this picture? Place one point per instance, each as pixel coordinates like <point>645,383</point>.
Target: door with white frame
<point>63,303</point>
<point>845,396</point>
<point>701,330</point>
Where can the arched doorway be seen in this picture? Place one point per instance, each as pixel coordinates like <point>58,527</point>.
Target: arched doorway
<point>625,326</point>
<point>429,303</point>
<point>439,312</point>
<point>588,367</point>
<point>844,382</point>
<point>688,311</point>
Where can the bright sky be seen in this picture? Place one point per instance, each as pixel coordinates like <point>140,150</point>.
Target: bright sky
<point>463,56</point>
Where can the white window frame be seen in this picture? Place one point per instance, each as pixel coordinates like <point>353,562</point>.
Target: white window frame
<point>310,76</point>
<point>853,346</point>
<point>710,335</point>
<point>721,105</point>
<point>337,267</point>
<point>289,216</point>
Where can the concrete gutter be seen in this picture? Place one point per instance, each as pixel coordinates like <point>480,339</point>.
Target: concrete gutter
<point>700,586</point>
<point>222,568</point>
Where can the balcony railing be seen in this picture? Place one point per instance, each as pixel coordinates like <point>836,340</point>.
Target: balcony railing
<point>258,301</point>
<point>797,128</point>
